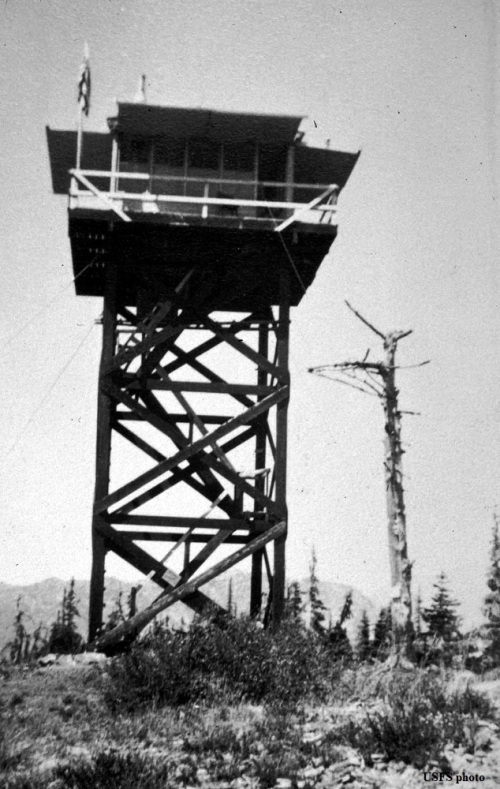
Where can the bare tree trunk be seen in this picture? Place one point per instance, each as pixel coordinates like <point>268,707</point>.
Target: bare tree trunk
<point>398,547</point>
<point>362,375</point>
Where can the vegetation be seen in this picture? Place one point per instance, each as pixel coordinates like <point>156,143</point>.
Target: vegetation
<point>491,607</point>
<point>64,637</point>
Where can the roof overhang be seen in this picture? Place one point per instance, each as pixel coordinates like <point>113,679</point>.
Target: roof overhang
<point>179,122</point>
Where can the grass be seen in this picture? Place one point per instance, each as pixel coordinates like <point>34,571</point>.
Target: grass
<point>67,728</point>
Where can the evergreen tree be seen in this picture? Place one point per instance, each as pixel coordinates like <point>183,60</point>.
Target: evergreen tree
<point>363,644</point>
<point>317,607</point>
<point>19,644</point>
<point>64,636</point>
<point>382,634</point>
<point>338,639</point>
<point>491,608</point>
<point>440,617</point>
<point>294,606</point>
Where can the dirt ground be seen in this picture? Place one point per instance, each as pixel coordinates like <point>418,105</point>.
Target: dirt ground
<point>56,715</point>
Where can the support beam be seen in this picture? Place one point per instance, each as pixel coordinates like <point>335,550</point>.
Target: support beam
<point>281,450</point>
<point>105,408</point>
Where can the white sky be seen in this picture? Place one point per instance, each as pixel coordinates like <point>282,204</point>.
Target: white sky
<point>416,87</point>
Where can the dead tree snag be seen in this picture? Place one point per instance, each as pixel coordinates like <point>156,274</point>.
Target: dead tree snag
<point>379,379</point>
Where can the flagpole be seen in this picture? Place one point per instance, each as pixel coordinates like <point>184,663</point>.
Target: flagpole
<point>83,102</point>
<point>79,135</point>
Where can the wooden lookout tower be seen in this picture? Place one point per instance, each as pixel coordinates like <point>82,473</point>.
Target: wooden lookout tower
<point>199,229</point>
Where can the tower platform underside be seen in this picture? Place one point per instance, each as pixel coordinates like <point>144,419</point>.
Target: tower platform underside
<point>239,262</point>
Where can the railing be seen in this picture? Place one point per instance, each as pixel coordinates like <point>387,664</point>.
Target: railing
<point>269,200</point>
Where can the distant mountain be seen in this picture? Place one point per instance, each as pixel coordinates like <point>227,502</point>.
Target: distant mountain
<point>41,601</point>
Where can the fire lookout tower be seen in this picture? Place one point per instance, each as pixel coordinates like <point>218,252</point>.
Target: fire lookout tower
<point>200,229</point>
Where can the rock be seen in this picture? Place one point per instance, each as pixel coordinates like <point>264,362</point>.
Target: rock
<point>92,659</point>
<point>313,772</point>
<point>47,660</point>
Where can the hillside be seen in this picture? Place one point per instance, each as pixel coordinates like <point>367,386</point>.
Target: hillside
<point>41,601</point>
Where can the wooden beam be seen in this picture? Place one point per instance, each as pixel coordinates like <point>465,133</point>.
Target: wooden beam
<point>145,563</point>
<point>184,475</point>
<point>148,536</point>
<point>105,408</point>
<point>133,626</point>
<point>278,609</point>
<point>138,442</point>
<point>166,465</point>
<point>208,419</point>
<point>260,360</point>
<point>183,522</point>
<point>139,384</point>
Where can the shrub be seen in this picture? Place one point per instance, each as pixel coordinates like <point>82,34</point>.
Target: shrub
<point>231,658</point>
<point>418,720</point>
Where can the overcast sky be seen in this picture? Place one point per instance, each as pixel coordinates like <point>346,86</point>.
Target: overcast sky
<point>415,86</point>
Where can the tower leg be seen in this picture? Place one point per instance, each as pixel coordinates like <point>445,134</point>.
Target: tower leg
<point>260,482</point>
<point>281,450</point>
<point>103,455</point>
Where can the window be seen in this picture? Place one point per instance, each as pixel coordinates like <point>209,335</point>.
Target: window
<point>169,153</point>
<point>239,157</point>
<point>203,155</point>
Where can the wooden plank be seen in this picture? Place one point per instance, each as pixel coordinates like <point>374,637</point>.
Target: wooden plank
<point>281,451</point>
<point>145,563</point>
<point>138,622</point>
<point>135,384</point>
<point>192,179</point>
<point>138,442</point>
<point>233,539</point>
<point>105,409</point>
<point>190,359</point>
<point>109,204</point>
<point>213,485</point>
<point>301,210</point>
<point>187,453</point>
<point>179,521</point>
<point>266,502</point>
<point>260,482</point>
<point>260,360</point>
<point>208,419</point>
<point>128,354</point>
<point>206,552</point>
<point>184,475</point>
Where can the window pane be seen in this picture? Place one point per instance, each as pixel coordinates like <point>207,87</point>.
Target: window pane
<point>169,152</point>
<point>204,154</point>
<point>240,158</point>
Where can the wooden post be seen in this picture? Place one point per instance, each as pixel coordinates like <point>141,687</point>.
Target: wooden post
<point>103,455</point>
<point>260,482</point>
<point>281,450</point>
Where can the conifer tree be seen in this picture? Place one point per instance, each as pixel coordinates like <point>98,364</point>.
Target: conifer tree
<point>338,639</point>
<point>230,605</point>
<point>491,608</point>
<point>317,607</point>
<point>382,635</point>
<point>440,617</point>
<point>294,606</point>
<point>64,636</point>
<point>363,644</point>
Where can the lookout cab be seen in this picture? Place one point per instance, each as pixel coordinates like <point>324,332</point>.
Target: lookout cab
<point>199,229</point>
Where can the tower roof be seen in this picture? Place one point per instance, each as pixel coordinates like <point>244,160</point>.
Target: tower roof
<point>147,119</point>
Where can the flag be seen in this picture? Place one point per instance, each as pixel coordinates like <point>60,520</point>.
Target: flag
<point>84,82</point>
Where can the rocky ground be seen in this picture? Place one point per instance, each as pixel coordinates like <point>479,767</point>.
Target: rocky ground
<point>54,717</point>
